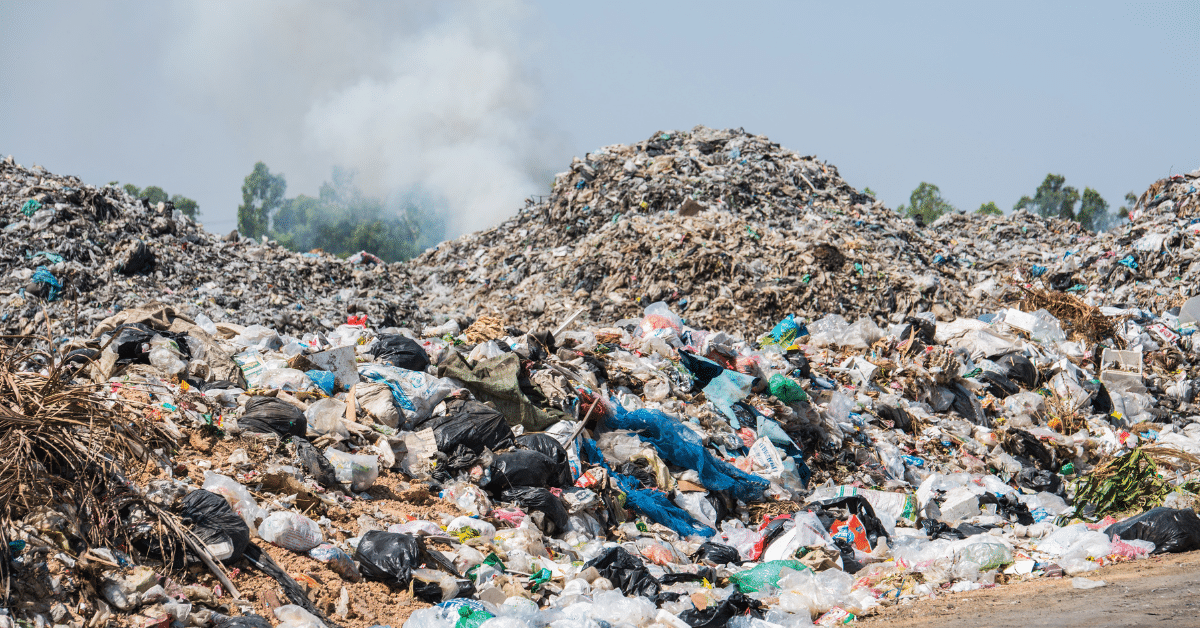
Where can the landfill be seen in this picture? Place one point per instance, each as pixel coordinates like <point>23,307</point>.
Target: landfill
<point>704,382</point>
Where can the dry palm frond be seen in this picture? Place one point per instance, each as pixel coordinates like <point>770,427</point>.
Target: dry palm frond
<point>1077,317</point>
<point>70,444</point>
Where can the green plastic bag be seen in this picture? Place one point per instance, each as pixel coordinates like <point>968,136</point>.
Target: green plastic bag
<point>786,389</point>
<point>761,576</point>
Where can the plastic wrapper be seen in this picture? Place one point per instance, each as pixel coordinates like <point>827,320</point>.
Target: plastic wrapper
<point>338,561</point>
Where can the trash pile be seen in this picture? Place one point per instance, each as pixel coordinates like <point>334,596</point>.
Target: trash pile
<point>77,254</point>
<point>729,229</point>
<point>599,462</point>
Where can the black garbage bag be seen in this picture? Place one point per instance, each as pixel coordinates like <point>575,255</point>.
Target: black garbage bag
<point>550,446</point>
<point>537,499</point>
<point>317,465</point>
<point>940,530</point>
<point>999,385</point>
<point>717,554</point>
<point>216,524</point>
<point>776,527</point>
<point>1019,368</point>
<point>721,502</point>
<point>467,429</point>
<point>521,467</point>
<point>243,621</point>
<point>800,362</point>
<point>850,562</point>
<point>1022,444</point>
<point>626,572</point>
<point>898,417</point>
<point>1039,480</point>
<point>388,557</point>
<point>137,259</point>
<point>1169,529</point>
<point>131,343</point>
<point>1101,400</point>
<point>400,351</point>
<point>268,415</point>
<point>925,330</point>
<point>718,616</point>
<point>967,406</point>
<point>853,505</point>
<point>1009,507</point>
<point>703,573</point>
<point>640,472</point>
<point>703,370</point>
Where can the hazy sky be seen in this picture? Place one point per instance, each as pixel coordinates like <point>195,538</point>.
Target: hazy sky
<point>476,101</point>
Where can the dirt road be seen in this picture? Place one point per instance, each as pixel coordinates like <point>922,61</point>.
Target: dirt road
<point>1160,591</point>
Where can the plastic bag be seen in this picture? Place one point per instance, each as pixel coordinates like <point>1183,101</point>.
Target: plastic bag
<point>521,468</point>
<point>469,498</point>
<point>763,575</point>
<point>292,616</point>
<point>317,465</point>
<point>471,528</point>
<point>339,562</point>
<point>659,322</point>
<point>1169,529</point>
<point>290,530</point>
<point>359,471</point>
<point>325,416</point>
<point>375,400</point>
<point>468,428</point>
<point>165,356</point>
<point>388,557</point>
<point>416,393</point>
<point>216,524</point>
<point>548,445</point>
<point>238,497</point>
<point>400,351</point>
<point>717,554</point>
<point>626,572</point>
<point>536,499</point>
<point>268,415</point>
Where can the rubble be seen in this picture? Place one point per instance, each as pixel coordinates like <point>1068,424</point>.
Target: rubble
<point>732,391</point>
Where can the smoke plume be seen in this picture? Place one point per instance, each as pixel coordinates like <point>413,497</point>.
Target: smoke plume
<point>428,100</point>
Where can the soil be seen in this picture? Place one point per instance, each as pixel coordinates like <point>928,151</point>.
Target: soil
<point>1162,590</point>
<point>393,500</point>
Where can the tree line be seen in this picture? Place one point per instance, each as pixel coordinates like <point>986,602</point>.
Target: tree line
<point>341,219</point>
<point>1052,199</point>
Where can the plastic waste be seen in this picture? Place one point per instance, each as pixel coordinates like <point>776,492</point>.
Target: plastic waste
<point>290,530</point>
<point>359,471</point>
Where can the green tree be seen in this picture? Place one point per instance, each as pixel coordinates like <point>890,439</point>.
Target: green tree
<point>989,209</point>
<point>262,195</point>
<point>186,205</point>
<point>1052,198</point>
<point>154,194</point>
<point>133,190</point>
<point>1130,202</point>
<point>926,203</point>
<point>1093,211</point>
<point>869,192</point>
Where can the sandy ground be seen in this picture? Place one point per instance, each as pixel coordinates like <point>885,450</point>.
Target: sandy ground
<point>1159,591</point>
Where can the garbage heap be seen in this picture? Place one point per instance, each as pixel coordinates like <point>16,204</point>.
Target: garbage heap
<point>77,253</point>
<point>730,229</point>
<point>447,456</point>
<point>647,473</point>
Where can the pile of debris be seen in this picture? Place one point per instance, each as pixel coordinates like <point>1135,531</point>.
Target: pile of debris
<point>729,229</point>
<point>75,254</point>
<point>735,447</point>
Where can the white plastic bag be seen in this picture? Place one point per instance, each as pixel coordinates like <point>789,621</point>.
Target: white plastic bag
<point>359,471</point>
<point>291,530</point>
<point>165,356</point>
<point>415,393</point>
<point>238,496</point>
<point>325,416</point>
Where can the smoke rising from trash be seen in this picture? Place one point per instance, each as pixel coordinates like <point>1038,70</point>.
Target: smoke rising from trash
<point>429,102</point>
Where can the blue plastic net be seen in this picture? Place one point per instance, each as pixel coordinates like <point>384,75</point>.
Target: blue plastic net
<point>651,503</point>
<point>680,446</point>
